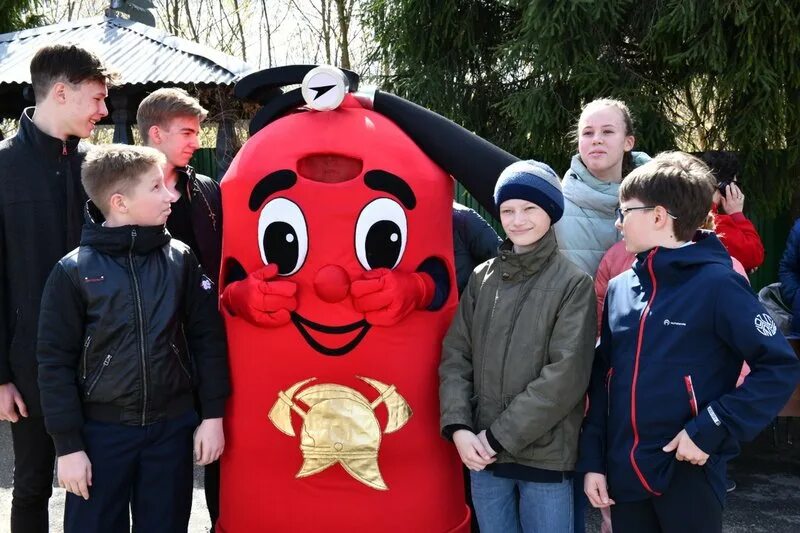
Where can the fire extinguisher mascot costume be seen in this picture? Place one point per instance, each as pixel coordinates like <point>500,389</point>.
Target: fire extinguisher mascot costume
<point>338,287</point>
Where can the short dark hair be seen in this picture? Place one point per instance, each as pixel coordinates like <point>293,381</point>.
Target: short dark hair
<point>116,168</point>
<point>679,182</point>
<point>724,166</point>
<point>68,63</point>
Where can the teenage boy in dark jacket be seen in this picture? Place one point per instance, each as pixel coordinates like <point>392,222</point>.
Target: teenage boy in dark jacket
<point>169,120</point>
<point>665,415</point>
<point>41,206</point>
<point>126,319</point>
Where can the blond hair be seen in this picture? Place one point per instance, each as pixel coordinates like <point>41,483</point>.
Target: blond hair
<point>163,105</point>
<point>116,168</point>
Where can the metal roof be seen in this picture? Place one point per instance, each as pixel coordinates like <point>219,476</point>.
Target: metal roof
<point>140,53</point>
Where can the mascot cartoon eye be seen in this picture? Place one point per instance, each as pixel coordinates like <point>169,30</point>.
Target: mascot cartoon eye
<point>283,235</point>
<point>381,233</point>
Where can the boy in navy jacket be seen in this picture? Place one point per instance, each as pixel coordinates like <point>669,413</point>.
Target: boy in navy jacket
<point>665,415</point>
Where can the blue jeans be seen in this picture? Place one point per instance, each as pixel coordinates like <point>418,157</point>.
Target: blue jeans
<point>509,505</point>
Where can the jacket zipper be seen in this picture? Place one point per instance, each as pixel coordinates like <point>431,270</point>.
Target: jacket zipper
<point>64,148</point>
<point>609,375</point>
<point>140,325</point>
<point>690,391</point>
<point>106,362</point>
<point>642,320</point>
<point>86,351</point>
<point>180,360</point>
<point>508,343</point>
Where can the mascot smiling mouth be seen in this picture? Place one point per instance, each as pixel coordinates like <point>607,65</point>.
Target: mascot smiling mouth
<point>330,333</point>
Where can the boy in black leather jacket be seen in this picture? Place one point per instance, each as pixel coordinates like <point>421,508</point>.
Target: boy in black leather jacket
<point>120,316</point>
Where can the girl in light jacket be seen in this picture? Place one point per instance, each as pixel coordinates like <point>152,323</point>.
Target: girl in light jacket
<point>605,140</point>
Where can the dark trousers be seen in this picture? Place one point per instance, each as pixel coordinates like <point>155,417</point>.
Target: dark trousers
<point>689,505</point>
<point>211,487</point>
<point>581,502</point>
<point>145,468</point>
<point>34,458</point>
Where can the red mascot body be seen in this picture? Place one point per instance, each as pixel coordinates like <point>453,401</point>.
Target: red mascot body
<point>338,231</point>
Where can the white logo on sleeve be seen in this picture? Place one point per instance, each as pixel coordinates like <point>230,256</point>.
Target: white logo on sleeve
<point>713,415</point>
<point>765,325</point>
<point>668,322</point>
<point>206,284</point>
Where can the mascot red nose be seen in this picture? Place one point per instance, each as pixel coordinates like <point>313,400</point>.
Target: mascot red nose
<point>338,287</point>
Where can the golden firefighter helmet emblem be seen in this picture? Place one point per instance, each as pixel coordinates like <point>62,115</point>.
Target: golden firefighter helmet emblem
<point>340,426</point>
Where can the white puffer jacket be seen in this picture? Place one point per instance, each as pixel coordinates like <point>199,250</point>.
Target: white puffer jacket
<point>587,229</point>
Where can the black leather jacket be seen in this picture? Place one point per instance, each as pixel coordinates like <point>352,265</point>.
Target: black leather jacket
<point>41,201</point>
<point>120,316</point>
<point>205,218</point>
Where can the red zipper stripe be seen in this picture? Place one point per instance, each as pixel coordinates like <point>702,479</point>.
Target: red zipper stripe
<point>639,474</point>
<point>690,391</point>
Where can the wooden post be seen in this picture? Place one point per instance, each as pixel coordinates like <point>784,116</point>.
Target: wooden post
<point>121,118</point>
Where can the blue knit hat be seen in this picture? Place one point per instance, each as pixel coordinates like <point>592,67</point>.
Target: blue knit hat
<point>532,181</point>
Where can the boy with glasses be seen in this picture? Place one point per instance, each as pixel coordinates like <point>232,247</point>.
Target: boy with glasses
<point>665,415</point>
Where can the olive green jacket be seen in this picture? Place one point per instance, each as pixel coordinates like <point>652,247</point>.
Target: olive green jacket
<point>518,355</point>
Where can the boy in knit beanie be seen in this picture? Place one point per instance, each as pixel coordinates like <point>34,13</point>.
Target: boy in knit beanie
<point>516,363</point>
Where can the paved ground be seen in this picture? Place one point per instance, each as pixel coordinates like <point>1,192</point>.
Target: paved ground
<point>767,499</point>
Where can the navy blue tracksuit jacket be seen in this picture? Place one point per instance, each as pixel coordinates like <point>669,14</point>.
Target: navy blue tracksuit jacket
<point>676,329</point>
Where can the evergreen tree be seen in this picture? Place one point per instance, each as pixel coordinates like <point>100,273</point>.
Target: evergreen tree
<point>697,74</point>
<point>16,15</point>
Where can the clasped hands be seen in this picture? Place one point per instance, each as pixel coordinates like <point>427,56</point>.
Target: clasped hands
<point>474,450</point>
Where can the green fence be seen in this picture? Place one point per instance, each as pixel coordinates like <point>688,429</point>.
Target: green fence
<point>773,234</point>
<point>204,161</point>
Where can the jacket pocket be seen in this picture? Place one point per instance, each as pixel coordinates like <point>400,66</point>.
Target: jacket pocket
<point>184,365</point>
<point>547,439</point>
<point>687,380</point>
<point>86,345</point>
<point>98,374</point>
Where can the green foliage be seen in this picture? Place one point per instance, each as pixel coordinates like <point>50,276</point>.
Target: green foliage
<point>16,15</point>
<point>697,74</point>
<point>441,53</point>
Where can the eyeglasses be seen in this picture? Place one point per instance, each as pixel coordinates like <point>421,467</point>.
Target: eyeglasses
<point>622,212</point>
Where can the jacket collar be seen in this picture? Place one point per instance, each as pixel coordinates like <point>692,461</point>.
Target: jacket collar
<point>186,178</point>
<point>43,143</point>
<point>671,264</point>
<point>120,240</point>
<point>584,190</point>
<point>514,267</point>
